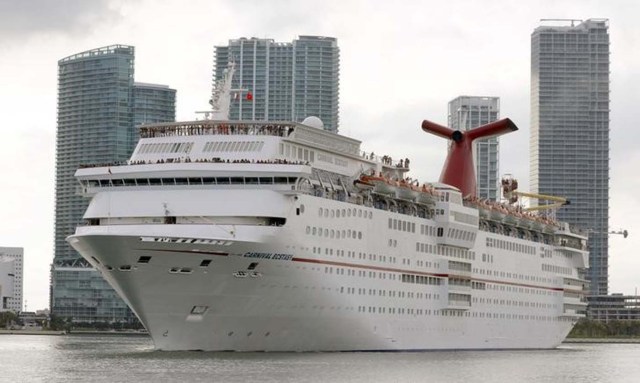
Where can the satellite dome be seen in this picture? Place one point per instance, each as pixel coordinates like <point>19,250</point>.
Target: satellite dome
<point>313,122</point>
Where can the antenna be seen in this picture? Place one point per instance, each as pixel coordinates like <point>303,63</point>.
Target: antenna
<point>221,96</point>
<point>572,20</point>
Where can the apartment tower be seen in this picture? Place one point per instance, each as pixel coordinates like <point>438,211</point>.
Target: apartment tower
<point>570,129</point>
<point>287,81</point>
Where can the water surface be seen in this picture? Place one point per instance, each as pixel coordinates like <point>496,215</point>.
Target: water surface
<point>83,358</point>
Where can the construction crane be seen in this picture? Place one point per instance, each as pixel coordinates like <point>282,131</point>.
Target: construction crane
<point>622,232</point>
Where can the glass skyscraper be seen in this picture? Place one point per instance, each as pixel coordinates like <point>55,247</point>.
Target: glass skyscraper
<point>570,130</point>
<point>466,113</point>
<point>152,103</point>
<point>96,124</point>
<point>288,81</point>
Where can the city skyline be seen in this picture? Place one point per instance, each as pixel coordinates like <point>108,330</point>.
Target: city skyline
<point>393,75</point>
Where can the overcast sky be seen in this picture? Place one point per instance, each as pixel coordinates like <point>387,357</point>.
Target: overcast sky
<point>401,62</point>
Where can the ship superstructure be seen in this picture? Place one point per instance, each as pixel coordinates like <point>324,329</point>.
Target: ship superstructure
<point>280,236</point>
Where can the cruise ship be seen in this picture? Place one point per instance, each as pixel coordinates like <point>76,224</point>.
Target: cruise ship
<point>281,236</point>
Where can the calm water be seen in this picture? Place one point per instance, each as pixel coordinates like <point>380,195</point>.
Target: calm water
<point>32,358</point>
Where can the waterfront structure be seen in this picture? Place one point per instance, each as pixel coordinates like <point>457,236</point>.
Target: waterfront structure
<point>614,307</point>
<point>570,129</point>
<point>11,278</point>
<point>286,81</point>
<point>97,114</point>
<point>466,113</point>
<point>281,236</point>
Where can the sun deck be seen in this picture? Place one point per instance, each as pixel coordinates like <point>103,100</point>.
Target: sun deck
<point>209,127</point>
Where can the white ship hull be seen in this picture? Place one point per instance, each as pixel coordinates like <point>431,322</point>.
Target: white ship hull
<point>313,298</point>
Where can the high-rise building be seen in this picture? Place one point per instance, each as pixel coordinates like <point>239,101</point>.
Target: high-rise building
<point>152,103</point>
<point>287,81</point>
<point>466,113</point>
<point>570,129</point>
<point>11,278</point>
<point>97,115</point>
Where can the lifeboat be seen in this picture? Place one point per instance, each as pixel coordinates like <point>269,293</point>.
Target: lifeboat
<point>381,185</point>
<point>406,191</point>
<point>484,212</point>
<point>510,218</point>
<point>363,183</point>
<point>427,195</point>
<point>497,213</point>
<point>524,221</point>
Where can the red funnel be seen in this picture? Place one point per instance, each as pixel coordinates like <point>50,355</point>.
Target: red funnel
<point>458,169</point>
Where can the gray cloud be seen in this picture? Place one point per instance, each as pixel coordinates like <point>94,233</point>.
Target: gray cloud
<point>20,20</point>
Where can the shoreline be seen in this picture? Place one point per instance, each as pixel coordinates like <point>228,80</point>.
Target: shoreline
<point>601,340</point>
<point>76,332</point>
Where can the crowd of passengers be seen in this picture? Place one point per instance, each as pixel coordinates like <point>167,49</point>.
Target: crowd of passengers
<point>161,131</point>
<point>216,160</point>
<point>387,160</point>
<point>508,209</point>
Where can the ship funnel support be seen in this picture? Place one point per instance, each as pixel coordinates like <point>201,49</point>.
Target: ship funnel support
<point>458,169</point>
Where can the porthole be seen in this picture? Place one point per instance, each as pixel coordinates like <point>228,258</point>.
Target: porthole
<point>301,208</point>
<point>333,213</point>
<point>308,229</point>
<point>320,212</point>
<point>348,212</point>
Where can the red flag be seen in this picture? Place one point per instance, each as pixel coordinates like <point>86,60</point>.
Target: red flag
<point>249,96</point>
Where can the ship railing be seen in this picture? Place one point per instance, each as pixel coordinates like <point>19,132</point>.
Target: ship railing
<point>386,160</point>
<point>207,127</point>
<point>214,160</point>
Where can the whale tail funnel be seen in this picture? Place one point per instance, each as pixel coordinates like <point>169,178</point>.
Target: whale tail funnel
<point>458,169</point>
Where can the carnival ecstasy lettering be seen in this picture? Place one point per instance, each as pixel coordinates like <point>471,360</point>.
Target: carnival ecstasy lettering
<point>332,160</point>
<point>275,256</point>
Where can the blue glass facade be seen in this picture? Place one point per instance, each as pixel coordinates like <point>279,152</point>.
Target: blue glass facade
<point>288,81</point>
<point>96,124</point>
